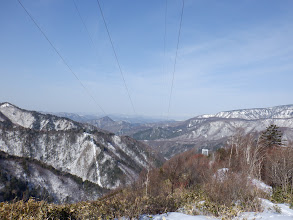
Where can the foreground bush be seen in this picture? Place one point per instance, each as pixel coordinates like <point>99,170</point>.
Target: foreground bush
<point>281,196</point>
<point>124,203</point>
<point>195,184</point>
<point>34,210</point>
<point>226,197</point>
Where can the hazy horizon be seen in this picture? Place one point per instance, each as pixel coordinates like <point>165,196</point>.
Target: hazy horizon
<point>231,55</point>
<point>119,115</point>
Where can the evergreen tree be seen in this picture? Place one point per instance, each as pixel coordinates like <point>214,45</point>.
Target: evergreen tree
<point>271,137</point>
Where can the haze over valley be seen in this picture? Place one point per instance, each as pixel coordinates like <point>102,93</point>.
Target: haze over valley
<point>151,109</point>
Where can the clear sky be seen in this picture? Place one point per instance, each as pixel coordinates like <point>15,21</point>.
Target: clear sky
<point>232,55</point>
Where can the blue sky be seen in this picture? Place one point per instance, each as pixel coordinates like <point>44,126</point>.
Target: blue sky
<point>232,55</point>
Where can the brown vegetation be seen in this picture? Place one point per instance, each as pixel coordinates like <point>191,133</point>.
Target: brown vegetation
<point>193,182</point>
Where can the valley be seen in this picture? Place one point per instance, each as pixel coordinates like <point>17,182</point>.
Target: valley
<point>203,131</point>
<point>94,155</point>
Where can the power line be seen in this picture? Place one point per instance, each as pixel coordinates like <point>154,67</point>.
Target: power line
<point>82,21</point>
<point>61,57</point>
<point>165,36</point>
<point>175,61</point>
<point>165,30</point>
<point>116,57</point>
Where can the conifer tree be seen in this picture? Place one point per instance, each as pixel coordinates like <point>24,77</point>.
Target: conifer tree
<point>271,137</point>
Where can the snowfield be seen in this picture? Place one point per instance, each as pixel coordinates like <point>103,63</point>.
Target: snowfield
<point>271,211</point>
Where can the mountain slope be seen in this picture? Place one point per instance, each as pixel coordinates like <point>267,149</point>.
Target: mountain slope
<point>212,131</point>
<point>124,127</point>
<point>23,177</point>
<point>82,150</point>
<point>117,127</point>
<point>35,120</point>
<point>283,111</point>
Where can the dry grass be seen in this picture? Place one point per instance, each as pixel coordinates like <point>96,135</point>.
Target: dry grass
<point>125,203</point>
<point>187,182</point>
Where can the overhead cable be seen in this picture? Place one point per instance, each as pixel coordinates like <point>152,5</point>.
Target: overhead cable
<point>165,29</point>
<point>84,25</point>
<point>116,57</point>
<point>165,36</point>
<point>175,61</point>
<point>61,57</point>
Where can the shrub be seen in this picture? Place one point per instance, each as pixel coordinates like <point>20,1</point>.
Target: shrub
<point>232,189</point>
<point>281,196</point>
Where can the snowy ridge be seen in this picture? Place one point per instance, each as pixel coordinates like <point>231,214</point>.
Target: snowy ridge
<point>285,111</point>
<point>21,118</point>
<point>213,131</point>
<point>61,188</point>
<point>82,150</point>
<point>81,157</point>
<point>34,120</point>
<point>220,128</point>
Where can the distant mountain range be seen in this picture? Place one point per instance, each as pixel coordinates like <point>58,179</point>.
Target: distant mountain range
<point>73,148</point>
<point>59,156</point>
<point>123,127</point>
<point>212,131</point>
<point>85,117</point>
<point>120,125</point>
<point>204,131</point>
<point>277,112</point>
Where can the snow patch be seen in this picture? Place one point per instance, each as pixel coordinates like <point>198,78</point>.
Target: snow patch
<point>262,186</point>
<point>271,211</point>
<point>221,174</point>
<point>63,125</point>
<point>206,116</point>
<point>5,105</point>
<point>17,116</point>
<point>97,164</point>
<point>176,216</point>
<point>123,147</point>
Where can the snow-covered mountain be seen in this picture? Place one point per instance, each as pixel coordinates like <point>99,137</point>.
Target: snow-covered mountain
<point>284,111</point>
<point>73,116</point>
<point>212,131</point>
<point>118,124</point>
<point>35,120</point>
<point>118,127</point>
<point>82,150</point>
<point>23,177</point>
<point>86,117</point>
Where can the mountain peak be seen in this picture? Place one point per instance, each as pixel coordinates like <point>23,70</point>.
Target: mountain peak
<point>35,120</point>
<point>6,104</point>
<point>106,119</point>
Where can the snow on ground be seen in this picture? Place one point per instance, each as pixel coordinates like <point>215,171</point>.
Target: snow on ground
<point>17,116</point>
<point>221,174</point>
<point>271,211</point>
<point>63,124</point>
<point>177,216</point>
<point>128,151</point>
<point>262,186</point>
